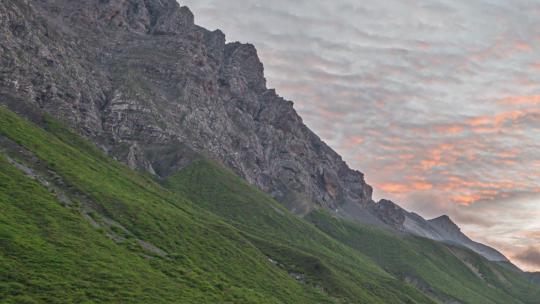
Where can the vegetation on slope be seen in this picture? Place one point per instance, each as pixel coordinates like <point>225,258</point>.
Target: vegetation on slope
<point>443,272</point>
<point>447,272</point>
<point>143,244</point>
<point>77,226</point>
<point>290,241</point>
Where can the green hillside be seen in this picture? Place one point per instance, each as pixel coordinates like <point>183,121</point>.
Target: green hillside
<point>120,236</point>
<point>444,273</point>
<point>293,243</point>
<point>78,227</point>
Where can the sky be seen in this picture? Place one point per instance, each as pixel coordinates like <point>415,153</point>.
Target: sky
<point>436,102</point>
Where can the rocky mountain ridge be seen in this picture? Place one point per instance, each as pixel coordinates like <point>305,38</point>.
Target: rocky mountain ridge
<point>146,84</point>
<point>441,229</point>
<point>148,105</point>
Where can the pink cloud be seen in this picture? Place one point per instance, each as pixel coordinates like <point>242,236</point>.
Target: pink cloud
<point>523,46</point>
<point>521,100</point>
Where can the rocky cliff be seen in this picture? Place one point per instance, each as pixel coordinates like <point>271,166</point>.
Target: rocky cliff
<point>146,84</point>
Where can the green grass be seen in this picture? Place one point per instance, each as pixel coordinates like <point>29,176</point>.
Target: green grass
<point>51,254</point>
<point>433,267</point>
<point>295,243</point>
<point>439,268</point>
<point>225,241</point>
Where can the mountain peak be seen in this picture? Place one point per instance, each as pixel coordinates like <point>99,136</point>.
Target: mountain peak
<point>442,218</point>
<point>444,221</point>
<point>174,20</point>
<point>243,68</point>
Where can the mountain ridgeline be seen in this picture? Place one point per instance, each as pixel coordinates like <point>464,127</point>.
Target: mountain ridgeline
<point>145,160</point>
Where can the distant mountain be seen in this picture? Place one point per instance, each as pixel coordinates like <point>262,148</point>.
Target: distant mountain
<point>441,229</point>
<point>449,232</point>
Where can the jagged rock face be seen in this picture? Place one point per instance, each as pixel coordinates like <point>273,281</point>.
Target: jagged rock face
<point>444,223</point>
<point>451,233</point>
<point>441,229</point>
<point>390,213</point>
<point>153,89</point>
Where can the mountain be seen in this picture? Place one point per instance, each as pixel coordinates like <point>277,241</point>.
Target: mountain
<point>147,85</point>
<point>210,151</point>
<point>441,229</point>
<point>450,232</point>
<point>154,90</point>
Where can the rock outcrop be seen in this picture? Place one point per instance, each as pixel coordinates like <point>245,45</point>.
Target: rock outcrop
<point>140,79</point>
<point>449,232</point>
<point>441,229</point>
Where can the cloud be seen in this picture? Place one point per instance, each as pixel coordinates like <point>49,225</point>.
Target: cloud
<point>521,100</point>
<point>530,256</point>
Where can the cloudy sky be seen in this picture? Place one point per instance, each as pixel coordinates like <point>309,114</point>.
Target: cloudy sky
<point>437,102</point>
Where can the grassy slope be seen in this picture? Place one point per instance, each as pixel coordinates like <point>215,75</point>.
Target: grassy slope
<point>427,261</point>
<point>291,241</point>
<point>51,254</point>
<point>416,260</point>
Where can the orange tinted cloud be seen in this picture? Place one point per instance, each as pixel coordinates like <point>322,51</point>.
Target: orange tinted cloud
<point>509,153</point>
<point>406,156</point>
<point>353,142</point>
<point>523,46</point>
<point>455,182</point>
<point>421,186</point>
<point>431,163</point>
<point>530,234</point>
<point>449,129</point>
<point>400,188</point>
<point>394,188</point>
<point>494,123</point>
<point>356,140</point>
<point>438,157</point>
<point>479,121</point>
<point>410,184</point>
<point>521,100</point>
<point>507,162</point>
<point>465,199</point>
